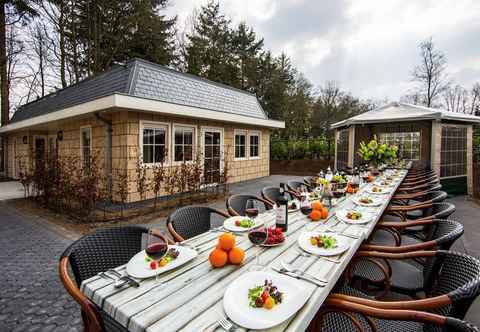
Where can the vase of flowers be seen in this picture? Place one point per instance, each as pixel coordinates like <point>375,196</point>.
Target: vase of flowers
<point>376,153</point>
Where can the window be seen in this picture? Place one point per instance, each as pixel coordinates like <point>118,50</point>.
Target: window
<point>453,158</point>
<point>183,142</point>
<point>240,144</point>
<point>154,139</point>
<point>408,143</point>
<point>86,145</point>
<point>254,144</point>
<point>342,149</point>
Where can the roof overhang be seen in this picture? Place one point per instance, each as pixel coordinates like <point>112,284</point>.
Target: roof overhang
<point>130,103</point>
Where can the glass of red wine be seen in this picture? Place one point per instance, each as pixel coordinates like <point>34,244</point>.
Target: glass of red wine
<point>250,209</point>
<point>156,249</point>
<point>257,237</point>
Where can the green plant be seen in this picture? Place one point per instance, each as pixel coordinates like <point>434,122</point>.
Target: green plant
<point>375,153</point>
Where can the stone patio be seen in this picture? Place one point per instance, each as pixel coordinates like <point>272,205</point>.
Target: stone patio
<point>32,297</point>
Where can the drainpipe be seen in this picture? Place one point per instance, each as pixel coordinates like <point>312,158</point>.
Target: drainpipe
<point>108,152</point>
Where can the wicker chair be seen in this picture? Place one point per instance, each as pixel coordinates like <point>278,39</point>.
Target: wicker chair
<point>341,315</point>
<point>294,187</point>
<point>428,210</point>
<point>272,194</point>
<point>425,197</point>
<point>454,285</point>
<point>310,180</point>
<point>190,221</point>
<point>406,276</point>
<point>97,252</point>
<point>236,204</point>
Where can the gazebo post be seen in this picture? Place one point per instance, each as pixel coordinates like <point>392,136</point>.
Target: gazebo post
<point>351,146</point>
<point>470,160</point>
<point>436,146</point>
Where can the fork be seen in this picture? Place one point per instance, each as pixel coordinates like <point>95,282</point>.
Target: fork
<point>329,259</point>
<point>225,324</point>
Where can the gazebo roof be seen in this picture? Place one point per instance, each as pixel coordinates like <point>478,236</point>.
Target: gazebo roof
<point>405,112</point>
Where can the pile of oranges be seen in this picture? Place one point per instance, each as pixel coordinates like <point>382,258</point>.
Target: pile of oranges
<point>226,252</point>
<point>318,211</point>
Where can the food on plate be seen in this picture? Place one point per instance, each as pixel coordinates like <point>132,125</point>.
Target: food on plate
<point>376,189</point>
<point>385,183</point>
<point>292,205</point>
<point>274,236</point>
<point>244,223</point>
<point>313,195</point>
<point>218,258</point>
<point>236,256</point>
<point>323,241</point>
<point>317,205</point>
<point>338,179</point>
<point>354,215</point>
<point>226,241</point>
<point>366,200</point>
<point>265,296</point>
<point>171,255</point>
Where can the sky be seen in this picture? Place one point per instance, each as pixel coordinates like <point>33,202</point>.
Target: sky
<point>369,47</point>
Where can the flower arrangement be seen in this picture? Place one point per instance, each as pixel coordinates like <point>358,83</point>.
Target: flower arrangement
<point>375,153</point>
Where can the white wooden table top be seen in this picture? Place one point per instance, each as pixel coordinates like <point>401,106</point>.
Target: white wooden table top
<point>189,298</point>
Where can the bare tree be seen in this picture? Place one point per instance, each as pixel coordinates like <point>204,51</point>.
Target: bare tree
<point>457,99</point>
<point>431,72</point>
<point>475,99</point>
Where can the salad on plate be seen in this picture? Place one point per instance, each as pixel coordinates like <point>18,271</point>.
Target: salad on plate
<point>265,296</point>
<point>353,215</point>
<point>245,223</point>
<point>169,257</point>
<point>323,241</point>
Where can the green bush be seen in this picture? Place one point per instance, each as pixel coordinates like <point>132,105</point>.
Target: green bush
<point>299,149</point>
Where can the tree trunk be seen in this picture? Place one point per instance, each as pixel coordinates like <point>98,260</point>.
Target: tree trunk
<point>63,52</point>
<point>4,94</point>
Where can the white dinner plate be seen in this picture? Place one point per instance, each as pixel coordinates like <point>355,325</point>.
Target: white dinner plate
<point>376,201</point>
<point>384,191</point>
<point>229,224</point>
<point>237,308</point>
<point>342,215</point>
<point>304,242</point>
<point>138,267</point>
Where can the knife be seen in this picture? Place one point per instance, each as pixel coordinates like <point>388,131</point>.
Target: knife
<point>298,276</point>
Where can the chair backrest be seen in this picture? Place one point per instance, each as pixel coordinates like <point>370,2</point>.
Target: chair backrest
<point>309,180</point>
<point>457,325</point>
<point>436,196</point>
<point>190,221</point>
<point>458,276</point>
<point>103,249</point>
<point>272,194</point>
<point>236,203</point>
<point>296,185</point>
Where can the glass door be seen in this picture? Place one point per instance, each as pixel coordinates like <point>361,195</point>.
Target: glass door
<point>212,154</point>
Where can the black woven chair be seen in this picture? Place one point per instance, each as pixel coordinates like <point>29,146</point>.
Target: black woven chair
<point>97,252</point>
<point>190,221</point>
<point>272,194</point>
<point>425,197</point>
<point>454,285</point>
<point>236,204</point>
<point>295,186</point>
<point>310,180</point>
<point>340,315</point>
<point>406,276</point>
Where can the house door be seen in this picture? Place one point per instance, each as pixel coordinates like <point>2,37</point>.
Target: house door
<point>40,151</point>
<point>212,154</point>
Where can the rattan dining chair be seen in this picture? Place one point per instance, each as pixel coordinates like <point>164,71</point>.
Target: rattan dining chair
<point>340,315</point>
<point>453,286</point>
<point>295,186</point>
<point>236,204</point>
<point>93,253</point>
<point>310,180</point>
<point>405,276</point>
<point>272,194</point>
<point>425,197</point>
<point>190,221</point>
<point>428,210</point>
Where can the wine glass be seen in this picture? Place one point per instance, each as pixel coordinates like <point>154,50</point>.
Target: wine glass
<point>156,249</point>
<point>257,237</point>
<point>250,209</point>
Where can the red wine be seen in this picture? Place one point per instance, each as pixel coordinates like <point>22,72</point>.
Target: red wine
<point>251,212</point>
<point>257,237</point>
<point>157,250</point>
<point>337,194</point>
<point>306,210</point>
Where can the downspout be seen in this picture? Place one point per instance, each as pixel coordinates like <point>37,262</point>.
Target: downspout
<point>108,153</point>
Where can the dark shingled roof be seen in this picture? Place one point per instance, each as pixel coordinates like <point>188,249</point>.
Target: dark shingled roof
<point>140,78</point>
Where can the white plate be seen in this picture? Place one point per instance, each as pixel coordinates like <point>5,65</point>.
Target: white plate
<point>342,215</point>
<point>276,244</point>
<point>138,267</point>
<point>235,300</point>
<point>298,206</point>
<point>229,224</point>
<point>376,201</point>
<point>304,242</point>
<point>383,192</point>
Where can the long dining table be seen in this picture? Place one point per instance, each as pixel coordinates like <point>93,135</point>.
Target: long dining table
<point>190,298</point>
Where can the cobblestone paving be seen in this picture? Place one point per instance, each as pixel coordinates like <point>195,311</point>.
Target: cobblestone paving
<point>32,297</point>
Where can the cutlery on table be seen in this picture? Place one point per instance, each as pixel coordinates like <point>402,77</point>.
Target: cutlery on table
<point>123,279</point>
<point>299,276</point>
<point>225,324</point>
<point>290,268</point>
<point>329,259</point>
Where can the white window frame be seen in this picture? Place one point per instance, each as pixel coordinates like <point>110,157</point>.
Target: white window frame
<point>259,135</point>
<point>82,129</point>
<point>220,130</point>
<point>155,125</point>
<point>194,142</point>
<point>240,132</point>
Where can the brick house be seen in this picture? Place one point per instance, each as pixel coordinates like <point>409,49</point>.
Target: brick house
<point>430,138</point>
<point>144,110</point>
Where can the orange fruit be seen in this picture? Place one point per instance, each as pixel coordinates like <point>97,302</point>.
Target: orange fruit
<point>316,205</point>
<point>316,215</point>
<point>324,212</point>
<point>218,258</point>
<point>269,303</point>
<point>236,256</point>
<point>226,241</point>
